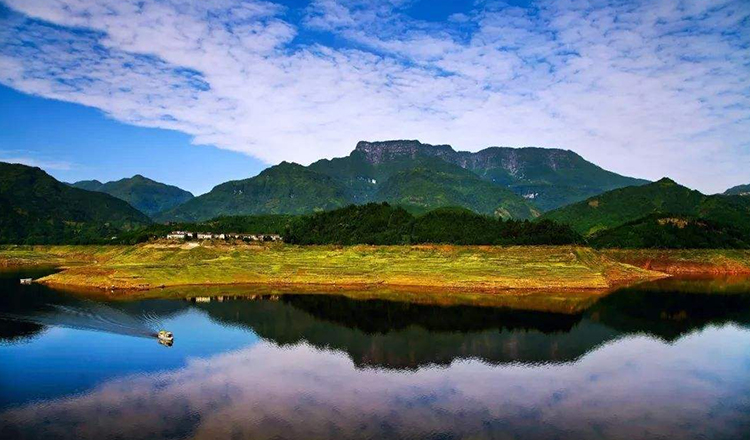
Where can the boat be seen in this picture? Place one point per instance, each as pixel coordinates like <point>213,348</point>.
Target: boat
<point>26,280</point>
<point>165,338</point>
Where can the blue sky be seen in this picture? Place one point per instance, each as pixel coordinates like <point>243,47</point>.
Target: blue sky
<point>72,142</point>
<point>196,93</point>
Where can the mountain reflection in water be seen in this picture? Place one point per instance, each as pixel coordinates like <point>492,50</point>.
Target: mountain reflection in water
<point>669,359</point>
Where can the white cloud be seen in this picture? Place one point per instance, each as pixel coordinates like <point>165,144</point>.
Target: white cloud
<point>636,387</point>
<point>24,159</point>
<point>644,88</point>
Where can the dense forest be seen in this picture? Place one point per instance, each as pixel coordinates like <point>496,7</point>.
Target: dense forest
<point>672,232</point>
<point>381,223</point>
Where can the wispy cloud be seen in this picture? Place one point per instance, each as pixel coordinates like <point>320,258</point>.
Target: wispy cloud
<point>26,159</point>
<point>647,88</point>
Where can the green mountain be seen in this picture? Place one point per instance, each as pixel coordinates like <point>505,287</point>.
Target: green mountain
<point>426,188</point>
<point>672,232</point>
<point>619,207</point>
<point>36,208</point>
<point>420,184</point>
<point>549,177</point>
<point>739,190</point>
<point>506,182</point>
<point>146,195</point>
<point>88,185</point>
<point>287,188</point>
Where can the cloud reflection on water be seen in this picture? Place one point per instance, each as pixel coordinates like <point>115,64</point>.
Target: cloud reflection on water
<point>634,387</point>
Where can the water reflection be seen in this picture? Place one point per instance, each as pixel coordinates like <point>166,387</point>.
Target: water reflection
<point>665,360</point>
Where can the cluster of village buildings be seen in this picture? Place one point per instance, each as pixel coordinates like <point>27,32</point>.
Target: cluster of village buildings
<point>186,235</point>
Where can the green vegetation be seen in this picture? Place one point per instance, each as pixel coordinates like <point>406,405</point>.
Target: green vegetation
<point>146,195</point>
<point>739,190</point>
<point>286,188</point>
<point>384,224</point>
<point>372,223</point>
<point>241,224</point>
<point>428,188</point>
<point>506,182</point>
<point>37,209</point>
<point>551,176</point>
<point>55,255</point>
<point>639,216</point>
<point>447,267</point>
<point>668,232</point>
<point>459,226</point>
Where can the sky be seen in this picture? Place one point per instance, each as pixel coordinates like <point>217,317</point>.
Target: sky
<point>195,93</point>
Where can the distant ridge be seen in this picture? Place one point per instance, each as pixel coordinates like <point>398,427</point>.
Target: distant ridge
<point>36,208</point>
<point>739,190</point>
<point>146,195</point>
<point>287,188</point>
<point>663,200</point>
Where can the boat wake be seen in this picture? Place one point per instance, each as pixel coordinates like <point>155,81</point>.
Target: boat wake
<point>89,315</point>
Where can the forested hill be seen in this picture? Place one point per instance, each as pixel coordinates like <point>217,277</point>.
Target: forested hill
<point>36,208</point>
<point>286,188</point>
<point>383,224</point>
<point>739,190</point>
<point>146,195</point>
<point>648,215</point>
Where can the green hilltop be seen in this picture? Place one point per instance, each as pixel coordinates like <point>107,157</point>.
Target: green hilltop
<point>505,182</point>
<point>36,208</point>
<point>287,188</point>
<point>146,195</point>
<point>662,214</point>
<point>739,190</point>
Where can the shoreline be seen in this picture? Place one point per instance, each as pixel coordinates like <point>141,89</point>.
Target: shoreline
<point>489,269</point>
<point>451,270</point>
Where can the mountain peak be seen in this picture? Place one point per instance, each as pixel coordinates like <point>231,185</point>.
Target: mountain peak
<point>666,181</point>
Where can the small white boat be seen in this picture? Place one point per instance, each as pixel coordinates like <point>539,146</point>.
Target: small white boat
<point>26,280</point>
<point>165,338</point>
<point>164,335</point>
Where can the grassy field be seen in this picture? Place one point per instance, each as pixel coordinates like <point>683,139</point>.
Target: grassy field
<point>54,255</point>
<point>455,268</point>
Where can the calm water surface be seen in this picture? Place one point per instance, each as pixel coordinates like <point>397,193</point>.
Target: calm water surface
<point>665,360</point>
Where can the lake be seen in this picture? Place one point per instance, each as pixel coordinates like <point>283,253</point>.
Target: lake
<point>669,359</point>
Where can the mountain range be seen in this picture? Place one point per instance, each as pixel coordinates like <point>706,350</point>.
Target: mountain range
<point>146,195</point>
<point>36,208</point>
<point>515,183</point>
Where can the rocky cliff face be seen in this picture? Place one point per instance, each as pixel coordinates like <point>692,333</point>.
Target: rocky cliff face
<point>551,177</point>
<point>380,152</point>
<point>512,160</point>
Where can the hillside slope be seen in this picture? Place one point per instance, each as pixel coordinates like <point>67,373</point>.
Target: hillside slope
<point>420,184</point>
<point>146,195</point>
<point>36,208</point>
<point>739,190</point>
<point>547,176</point>
<point>621,206</point>
<point>287,188</point>
<point>427,188</point>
